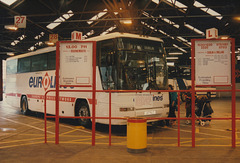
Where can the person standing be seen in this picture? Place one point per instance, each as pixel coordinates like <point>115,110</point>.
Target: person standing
<point>172,106</point>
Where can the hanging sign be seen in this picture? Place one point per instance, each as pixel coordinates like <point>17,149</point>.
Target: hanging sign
<point>212,62</point>
<point>53,38</point>
<point>76,63</point>
<point>20,21</point>
<point>211,33</point>
<point>76,36</point>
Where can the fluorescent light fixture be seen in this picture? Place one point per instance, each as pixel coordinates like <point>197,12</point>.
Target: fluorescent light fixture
<point>207,10</point>
<point>39,36</point>
<point>11,27</point>
<point>10,54</point>
<point>109,30</point>
<point>178,4</point>
<point>224,37</point>
<point>148,15</point>
<point>156,1</point>
<point>179,48</point>
<point>20,38</point>
<point>169,21</point>
<point>8,2</point>
<point>31,48</point>
<point>49,43</point>
<point>151,27</point>
<point>170,63</point>
<point>194,29</point>
<point>68,15</point>
<point>88,34</point>
<point>127,21</point>
<point>171,58</point>
<point>96,17</point>
<point>175,53</point>
<point>184,41</point>
<point>59,20</point>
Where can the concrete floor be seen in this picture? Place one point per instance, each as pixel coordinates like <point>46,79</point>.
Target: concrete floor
<point>22,140</point>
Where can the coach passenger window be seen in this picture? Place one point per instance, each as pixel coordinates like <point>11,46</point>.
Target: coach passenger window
<point>24,65</point>
<point>51,60</point>
<point>12,66</point>
<point>39,62</point>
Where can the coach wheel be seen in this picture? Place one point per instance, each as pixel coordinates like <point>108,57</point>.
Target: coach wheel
<point>24,106</point>
<point>82,110</point>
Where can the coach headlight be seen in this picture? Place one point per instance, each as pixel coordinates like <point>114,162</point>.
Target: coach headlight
<point>127,109</point>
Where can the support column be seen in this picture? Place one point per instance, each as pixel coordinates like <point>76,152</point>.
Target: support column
<point>1,80</point>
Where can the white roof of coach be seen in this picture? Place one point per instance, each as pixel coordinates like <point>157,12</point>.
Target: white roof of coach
<point>97,38</point>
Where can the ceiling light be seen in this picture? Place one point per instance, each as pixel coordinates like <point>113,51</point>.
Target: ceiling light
<point>49,43</point>
<point>10,54</point>
<point>11,27</point>
<point>8,2</point>
<point>96,17</point>
<point>194,29</point>
<point>127,21</point>
<point>170,63</point>
<point>170,58</point>
<point>109,30</point>
<point>224,37</point>
<point>59,20</point>
<point>207,10</point>
<point>179,48</point>
<point>181,6</point>
<point>175,53</point>
<point>237,18</point>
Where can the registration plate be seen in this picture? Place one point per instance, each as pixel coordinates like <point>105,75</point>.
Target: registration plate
<point>150,112</point>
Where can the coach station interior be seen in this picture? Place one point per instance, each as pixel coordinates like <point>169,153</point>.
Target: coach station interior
<point>178,23</point>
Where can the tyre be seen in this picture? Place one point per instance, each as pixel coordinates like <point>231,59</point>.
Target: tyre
<point>82,110</point>
<point>24,106</point>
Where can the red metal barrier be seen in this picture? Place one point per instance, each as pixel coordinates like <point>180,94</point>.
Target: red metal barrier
<point>149,118</point>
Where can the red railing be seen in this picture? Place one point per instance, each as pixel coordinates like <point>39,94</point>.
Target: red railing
<point>178,118</point>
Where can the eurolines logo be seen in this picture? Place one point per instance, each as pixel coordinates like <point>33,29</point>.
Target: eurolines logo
<point>158,98</point>
<point>46,81</point>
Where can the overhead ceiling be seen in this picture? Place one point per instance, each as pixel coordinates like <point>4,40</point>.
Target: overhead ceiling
<point>176,22</point>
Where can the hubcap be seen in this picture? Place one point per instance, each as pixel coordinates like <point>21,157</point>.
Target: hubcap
<point>24,108</point>
<point>83,112</point>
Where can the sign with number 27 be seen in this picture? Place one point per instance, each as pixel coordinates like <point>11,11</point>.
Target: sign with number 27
<point>20,21</point>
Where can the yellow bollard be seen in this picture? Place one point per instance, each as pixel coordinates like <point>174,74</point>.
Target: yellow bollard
<point>137,135</point>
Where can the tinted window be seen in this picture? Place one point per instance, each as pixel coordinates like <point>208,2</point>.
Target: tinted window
<point>39,62</point>
<point>24,64</point>
<point>51,60</point>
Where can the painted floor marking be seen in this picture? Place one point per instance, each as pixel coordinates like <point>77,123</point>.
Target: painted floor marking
<point>17,145</point>
<point>37,128</point>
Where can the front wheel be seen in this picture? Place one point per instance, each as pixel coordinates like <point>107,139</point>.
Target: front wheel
<point>24,106</point>
<point>82,110</point>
